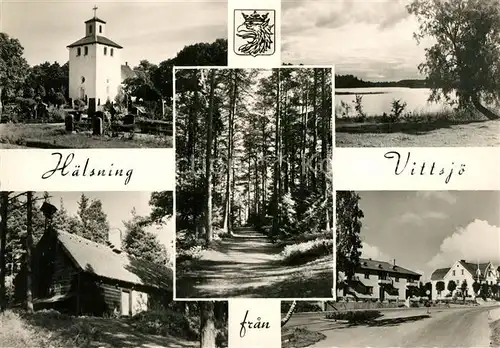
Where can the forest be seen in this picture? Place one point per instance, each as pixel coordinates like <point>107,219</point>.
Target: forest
<point>22,225</point>
<point>253,155</point>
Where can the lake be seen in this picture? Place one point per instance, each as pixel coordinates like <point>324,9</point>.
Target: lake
<point>377,100</point>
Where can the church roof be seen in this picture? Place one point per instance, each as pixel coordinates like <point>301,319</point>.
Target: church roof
<point>127,72</point>
<point>91,39</point>
<point>95,19</point>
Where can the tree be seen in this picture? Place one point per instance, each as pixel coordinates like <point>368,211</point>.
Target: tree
<point>463,288</point>
<point>207,325</point>
<point>485,290</point>
<point>29,251</point>
<point>208,161</point>
<point>440,287</point>
<point>476,286</point>
<point>162,205</point>
<point>3,241</point>
<point>451,286</point>
<point>494,290</point>
<point>94,223</point>
<point>466,55</point>
<point>289,314</point>
<point>143,244</point>
<point>13,66</point>
<point>349,224</point>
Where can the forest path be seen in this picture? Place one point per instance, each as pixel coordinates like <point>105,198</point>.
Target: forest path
<point>248,265</point>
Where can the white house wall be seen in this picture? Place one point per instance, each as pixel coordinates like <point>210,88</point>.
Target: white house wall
<point>82,66</point>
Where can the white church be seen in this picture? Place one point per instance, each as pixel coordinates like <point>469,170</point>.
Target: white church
<point>95,69</point>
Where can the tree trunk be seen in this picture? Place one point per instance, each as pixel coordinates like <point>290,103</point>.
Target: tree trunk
<point>277,161</point>
<point>1,105</point>
<point>3,240</point>
<point>315,132</point>
<point>485,111</point>
<point>208,163</point>
<point>232,111</point>
<point>29,249</point>
<point>207,323</point>
<point>288,315</point>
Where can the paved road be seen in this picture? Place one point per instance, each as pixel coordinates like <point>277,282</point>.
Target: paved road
<point>453,327</point>
<point>247,265</point>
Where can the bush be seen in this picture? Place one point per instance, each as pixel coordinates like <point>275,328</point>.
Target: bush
<point>164,322</point>
<point>358,106</point>
<point>296,254</point>
<point>354,316</point>
<point>57,115</point>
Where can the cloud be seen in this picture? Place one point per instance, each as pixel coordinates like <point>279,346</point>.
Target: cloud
<point>478,241</point>
<point>373,252</point>
<point>446,196</point>
<point>419,219</point>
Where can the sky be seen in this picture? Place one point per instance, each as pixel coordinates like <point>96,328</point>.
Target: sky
<point>425,230</point>
<point>154,31</point>
<point>118,207</point>
<point>372,40</point>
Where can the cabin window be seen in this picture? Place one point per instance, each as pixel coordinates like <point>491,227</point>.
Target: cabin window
<point>85,51</point>
<point>462,272</point>
<point>90,29</point>
<point>111,52</point>
<point>105,50</point>
<point>453,272</point>
<point>100,28</point>
<point>369,290</point>
<point>78,51</point>
<point>367,276</point>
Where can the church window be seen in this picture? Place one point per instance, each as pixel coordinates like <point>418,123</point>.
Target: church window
<point>83,79</point>
<point>105,50</point>
<point>98,101</point>
<point>78,51</point>
<point>85,51</point>
<point>90,29</point>
<point>100,28</point>
<point>111,52</point>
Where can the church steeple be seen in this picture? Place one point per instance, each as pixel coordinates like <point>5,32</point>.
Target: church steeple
<point>95,26</point>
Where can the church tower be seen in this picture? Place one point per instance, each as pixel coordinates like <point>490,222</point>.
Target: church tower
<point>94,65</point>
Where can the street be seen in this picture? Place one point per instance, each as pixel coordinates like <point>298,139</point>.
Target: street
<point>448,327</point>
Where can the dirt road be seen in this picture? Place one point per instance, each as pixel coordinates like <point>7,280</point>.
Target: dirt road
<point>453,327</point>
<point>247,265</point>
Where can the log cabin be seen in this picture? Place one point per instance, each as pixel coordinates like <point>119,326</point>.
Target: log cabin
<point>77,276</point>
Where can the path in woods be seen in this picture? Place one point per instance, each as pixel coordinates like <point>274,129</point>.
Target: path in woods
<point>247,265</point>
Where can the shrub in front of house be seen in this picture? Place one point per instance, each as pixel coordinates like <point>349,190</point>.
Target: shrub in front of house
<point>164,323</point>
<point>301,253</point>
<point>354,316</point>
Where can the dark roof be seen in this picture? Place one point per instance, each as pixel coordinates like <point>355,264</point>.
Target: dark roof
<point>95,19</point>
<point>102,261</point>
<point>472,267</point>
<point>368,264</point>
<point>91,39</point>
<point>127,72</point>
<point>439,273</point>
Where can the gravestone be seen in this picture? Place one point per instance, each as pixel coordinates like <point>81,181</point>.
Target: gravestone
<point>92,107</point>
<point>129,119</point>
<point>97,126</point>
<point>78,116</point>
<point>69,124</point>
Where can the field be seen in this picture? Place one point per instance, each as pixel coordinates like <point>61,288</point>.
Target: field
<point>53,135</point>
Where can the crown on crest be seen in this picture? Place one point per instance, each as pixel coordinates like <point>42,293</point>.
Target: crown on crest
<point>255,17</point>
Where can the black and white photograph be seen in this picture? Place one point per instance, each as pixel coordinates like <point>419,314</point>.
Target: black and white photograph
<point>254,201</point>
<point>100,76</point>
<point>94,269</point>
<point>409,73</point>
<point>414,269</point>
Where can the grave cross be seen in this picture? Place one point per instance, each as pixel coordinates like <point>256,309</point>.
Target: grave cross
<point>95,10</point>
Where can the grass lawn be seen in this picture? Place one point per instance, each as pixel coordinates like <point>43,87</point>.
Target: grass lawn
<point>440,129</point>
<point>54,136</point>
<point>299,337</point>
<point>52,329</point>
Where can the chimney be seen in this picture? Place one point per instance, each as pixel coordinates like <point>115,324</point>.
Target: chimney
<point>462,261</point>
<point>115,240</point>
<point>394,262</point>
<point>126,63</point>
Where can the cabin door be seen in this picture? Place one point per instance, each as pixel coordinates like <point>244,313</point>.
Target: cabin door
<point>125,302</point>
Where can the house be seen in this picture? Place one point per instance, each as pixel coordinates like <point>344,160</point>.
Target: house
<point>78,276</point>
<point>379,281</point>
<point>95,70</point>
<point>462,271</point>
